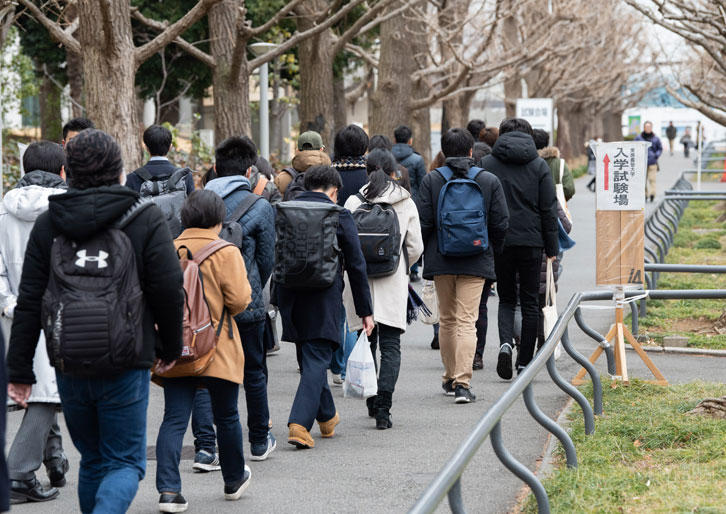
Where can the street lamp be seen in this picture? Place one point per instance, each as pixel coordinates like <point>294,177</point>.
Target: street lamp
<point>259,49</point>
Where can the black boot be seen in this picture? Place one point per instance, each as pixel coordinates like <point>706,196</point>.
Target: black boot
<point>22,491</point>
<point>371,404</point>
<point>383,410</point>
<point>57,469</point>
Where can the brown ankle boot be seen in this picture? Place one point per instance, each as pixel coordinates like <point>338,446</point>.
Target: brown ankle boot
<point>327,428</point>
<point>300,437</point>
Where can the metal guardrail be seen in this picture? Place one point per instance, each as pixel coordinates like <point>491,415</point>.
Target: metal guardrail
<point>448,481</point>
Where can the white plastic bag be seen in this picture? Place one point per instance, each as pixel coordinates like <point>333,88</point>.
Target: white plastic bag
<point>549,312</point>
<point>360,372</point>
<point>560,191</point>
<point>428,295</point>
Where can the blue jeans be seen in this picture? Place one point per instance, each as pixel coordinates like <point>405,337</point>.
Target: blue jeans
<point>255,380</point>
<point>203,423</point>
<point>341,354</point>
<point>106,418</point>
<point>179,396</point>
<point>313,400</point>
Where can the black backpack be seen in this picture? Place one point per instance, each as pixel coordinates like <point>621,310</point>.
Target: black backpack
<point>93,307</point>
<point>295,187</point>
<point>231,229</point>
<point>168,192</point>
<point>307,254</point>
<point>380,237</point>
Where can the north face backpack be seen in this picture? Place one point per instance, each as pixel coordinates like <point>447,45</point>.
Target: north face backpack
<point>169,193</point>
<point>93,307</point>
<point>199,336</point>
<point>461,222</point>
<point>307,254</point>
<point>295,187</point>
<point>231,229</point>
<point>380,237</point>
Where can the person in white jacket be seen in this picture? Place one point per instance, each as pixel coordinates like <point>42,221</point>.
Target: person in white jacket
<point>389,293</point>
<point>38,440</point>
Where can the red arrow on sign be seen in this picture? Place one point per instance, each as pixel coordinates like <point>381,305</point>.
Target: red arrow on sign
<point>606,162</point>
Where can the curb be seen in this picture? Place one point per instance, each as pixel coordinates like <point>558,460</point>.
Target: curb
<point>685,351</point>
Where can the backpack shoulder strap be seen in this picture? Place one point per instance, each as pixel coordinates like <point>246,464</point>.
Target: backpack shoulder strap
<point>445,172</point>
<point>474,172</point>
<point>209,249</point>
<point>243,207</point>
<point>178,175</point>
<point>144,174</point>
<point>260,187</point>
<point>137,208</point>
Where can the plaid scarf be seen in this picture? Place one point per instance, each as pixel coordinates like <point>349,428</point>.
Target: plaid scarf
<point>350,162</point>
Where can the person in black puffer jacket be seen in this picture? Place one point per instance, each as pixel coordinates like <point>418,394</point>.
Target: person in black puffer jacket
<point>532,203</point>
<point>95,407</point>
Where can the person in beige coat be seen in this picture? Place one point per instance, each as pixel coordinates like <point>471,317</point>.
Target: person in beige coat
<point>226,288</point>
<point>389,293</point>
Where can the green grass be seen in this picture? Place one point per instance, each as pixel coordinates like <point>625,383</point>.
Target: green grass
<point>700,240</point>
<point>579,171</point>
<point>646,454</point>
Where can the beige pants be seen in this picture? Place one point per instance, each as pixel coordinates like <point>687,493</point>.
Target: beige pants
<point>459,297</point>
<point>650,183</point>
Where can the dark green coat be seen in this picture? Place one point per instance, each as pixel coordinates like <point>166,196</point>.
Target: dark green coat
<point>552,156</point>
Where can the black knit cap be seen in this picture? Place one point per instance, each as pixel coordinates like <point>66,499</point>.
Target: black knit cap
<point>93,159</point>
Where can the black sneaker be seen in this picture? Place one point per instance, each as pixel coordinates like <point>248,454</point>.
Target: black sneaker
<point>435,343</point>
<point>172,502</point>
<point>448,387</point>
<point>478,362</point>
<point>57,469</point>
<point>520,369</point>
<point>415,277</point>
<point>235,490</point>
<point>205,461</point>
<point>260,451</point>
<point>464,395</point>
<point>504,362</point>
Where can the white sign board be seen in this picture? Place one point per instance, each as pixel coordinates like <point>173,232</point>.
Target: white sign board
<point>539,112</point>
<point>621,172</point>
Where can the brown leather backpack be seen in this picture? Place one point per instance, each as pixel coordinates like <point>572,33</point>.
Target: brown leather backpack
<point>199,334</point>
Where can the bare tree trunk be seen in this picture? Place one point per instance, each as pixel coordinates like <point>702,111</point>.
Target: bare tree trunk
<point>390,104</point>
<point>231,94</point>
<point>50,116</point>
<point>455,111</point>
<point>74,68</point>
<point>612,125</point>
<point>317,91</point>
<point>108,74</point>
<point>571,129</point>
<point>339,104</point>
<point>512,86</point>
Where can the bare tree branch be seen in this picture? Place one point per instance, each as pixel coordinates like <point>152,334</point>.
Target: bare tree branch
<point>55,29</point>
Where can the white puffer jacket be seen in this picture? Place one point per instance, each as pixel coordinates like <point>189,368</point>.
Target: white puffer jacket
<point>19,209</point>
<point>390,294</point>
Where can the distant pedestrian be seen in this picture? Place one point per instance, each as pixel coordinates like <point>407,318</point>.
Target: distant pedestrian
<point>551,155</point>
<point>261,177</point>
<point>226,293</point>
<point>401,174</point>
<point>73,127</point>
<point>389,292</point>
<point>530,192</point>
<point>232,162</point>
<point>480,151</point>
<point>460,258</point>
<point>654,151</point>
<point>310,152</point>
<point>475,127</point>
<point>310,293</point>
<point>687,142</point>
<point>671,133</point>
<point>351,145</point>
<point>38,440</point>
<point>98,233</point>
<point>489,135</point>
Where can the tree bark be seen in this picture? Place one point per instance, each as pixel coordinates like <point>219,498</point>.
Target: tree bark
<point>390,104</point>
<point>316,58</point>
<point>108,74</point>
<point>571,129</point>
<point>50,115</point>
<point>455,111</point>
<point>74,69</point>
<point>339,104</point>
<point>612,125</point>
<point>231,94</point>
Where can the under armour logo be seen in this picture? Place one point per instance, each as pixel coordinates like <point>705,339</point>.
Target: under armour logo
<point>83,259</point>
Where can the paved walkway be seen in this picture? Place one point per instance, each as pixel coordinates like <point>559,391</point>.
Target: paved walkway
<point>364,470</point>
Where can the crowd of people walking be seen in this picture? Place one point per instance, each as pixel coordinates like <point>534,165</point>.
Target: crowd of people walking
<point>111,281</point>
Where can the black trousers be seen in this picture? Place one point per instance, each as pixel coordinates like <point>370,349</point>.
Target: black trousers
<point>482,322</point>
<point>525,262</point>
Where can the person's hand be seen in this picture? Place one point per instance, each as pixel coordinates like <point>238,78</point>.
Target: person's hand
<point>162,366</point>
<point>552,259</point>
<point>19,393</point>
<point>368,324</point>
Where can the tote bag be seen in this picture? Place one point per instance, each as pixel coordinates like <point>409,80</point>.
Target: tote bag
<point>549,312</point>
<point>560,191</point>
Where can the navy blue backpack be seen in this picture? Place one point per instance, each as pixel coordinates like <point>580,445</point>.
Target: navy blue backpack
<point>462,221</point>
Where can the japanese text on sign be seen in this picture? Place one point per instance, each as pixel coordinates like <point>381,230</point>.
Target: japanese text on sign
<point>621,171</point>
<point>539,112</point>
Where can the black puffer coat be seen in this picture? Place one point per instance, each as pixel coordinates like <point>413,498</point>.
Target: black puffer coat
<point>529,190</point>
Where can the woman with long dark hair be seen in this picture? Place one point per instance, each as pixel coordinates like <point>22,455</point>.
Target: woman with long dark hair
<point>389,293</point>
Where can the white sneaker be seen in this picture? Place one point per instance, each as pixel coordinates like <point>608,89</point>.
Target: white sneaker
<point>337,380</point>
<point>235,491</point>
